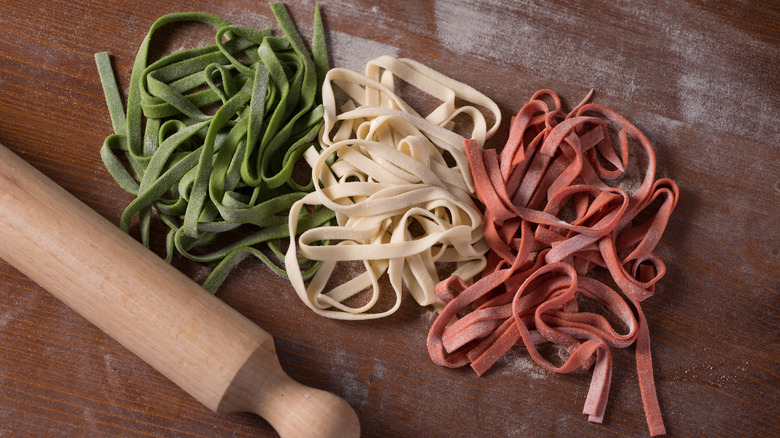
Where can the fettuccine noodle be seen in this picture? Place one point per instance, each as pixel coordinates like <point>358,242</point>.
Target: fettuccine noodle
<point>400,185</point>
<point>558,222</point>
<point>207,174</point>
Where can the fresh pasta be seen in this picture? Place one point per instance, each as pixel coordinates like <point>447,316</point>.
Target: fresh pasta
<point>569,212</point>
<point>212,135</point>
<point>562,232</point>
<point>399,184</point>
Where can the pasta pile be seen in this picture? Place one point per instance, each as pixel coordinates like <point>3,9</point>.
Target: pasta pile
<point>555,220</point>
<point>400,186</point>
<point>211,136</point>
<point>568,213</point>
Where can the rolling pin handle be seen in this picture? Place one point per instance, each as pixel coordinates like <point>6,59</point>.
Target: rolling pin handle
<point>294,410</point>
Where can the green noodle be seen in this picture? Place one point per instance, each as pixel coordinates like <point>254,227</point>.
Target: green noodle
<point>204,173</point>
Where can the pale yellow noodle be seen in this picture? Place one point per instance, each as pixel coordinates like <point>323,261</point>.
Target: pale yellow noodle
<point>401,207</point>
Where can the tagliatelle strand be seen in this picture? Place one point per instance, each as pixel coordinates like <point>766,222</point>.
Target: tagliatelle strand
<point>557,222</point>
<point>399,184</point>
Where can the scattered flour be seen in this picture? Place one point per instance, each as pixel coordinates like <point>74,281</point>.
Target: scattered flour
<point>519,363</point>
<point>202,273</point>
<point>521,34</point>
<point>353,389</point>
<point>353,53</point>
<point>490,30</point>
<point>257,16</point>
<point>739,89</point>
<point>111,372</point>
<point>379,370</point>
<point>428,316</point>
<point>5,318</point>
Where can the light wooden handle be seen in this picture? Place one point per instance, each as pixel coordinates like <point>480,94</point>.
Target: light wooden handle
<point>203,345</point>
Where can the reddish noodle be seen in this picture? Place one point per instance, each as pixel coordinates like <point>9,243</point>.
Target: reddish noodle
<point>555,217</point>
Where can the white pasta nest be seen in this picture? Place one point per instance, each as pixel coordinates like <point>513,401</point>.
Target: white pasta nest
<point>399,183</point>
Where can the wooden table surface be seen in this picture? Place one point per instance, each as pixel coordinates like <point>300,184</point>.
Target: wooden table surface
<point>700,79</point>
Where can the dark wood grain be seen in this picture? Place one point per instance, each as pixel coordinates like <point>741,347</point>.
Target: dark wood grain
<point>701,79</point>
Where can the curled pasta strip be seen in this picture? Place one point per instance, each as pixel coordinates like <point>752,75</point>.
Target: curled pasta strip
<point>556,218</point>
<point>399,184</point>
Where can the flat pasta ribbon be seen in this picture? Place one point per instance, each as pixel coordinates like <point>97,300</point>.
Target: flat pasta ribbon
<point>558,223</point>
<point>212,135</point>
<point>399,184</point>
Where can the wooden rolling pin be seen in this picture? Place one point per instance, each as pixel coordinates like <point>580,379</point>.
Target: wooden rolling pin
<point>203,345</point>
